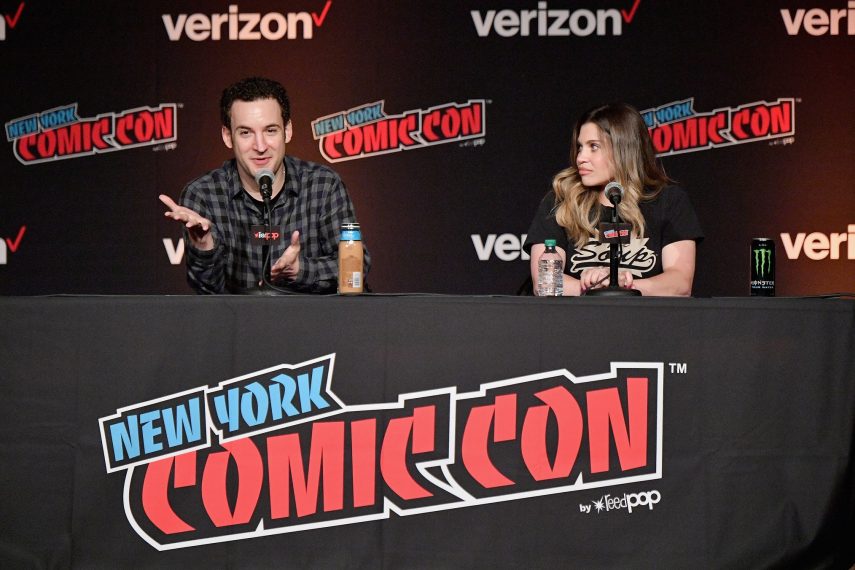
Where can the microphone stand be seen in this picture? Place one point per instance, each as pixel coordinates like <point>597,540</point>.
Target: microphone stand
<point>615,254</point>
<point>266,287</point>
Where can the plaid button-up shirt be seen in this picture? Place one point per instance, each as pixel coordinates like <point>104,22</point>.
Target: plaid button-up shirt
<point>313,201</point>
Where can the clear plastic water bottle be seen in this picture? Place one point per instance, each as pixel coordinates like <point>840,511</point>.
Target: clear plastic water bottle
<point>550,272</point>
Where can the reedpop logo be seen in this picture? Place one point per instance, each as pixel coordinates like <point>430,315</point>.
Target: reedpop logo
<point>628,501</point>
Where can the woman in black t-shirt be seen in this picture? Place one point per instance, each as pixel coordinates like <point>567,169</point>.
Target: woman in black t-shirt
<point>611,143</point>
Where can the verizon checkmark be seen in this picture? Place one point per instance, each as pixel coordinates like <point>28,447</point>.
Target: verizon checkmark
<point>13,245</point>
<point>14,20</point>
<point>319,20</point>
<point>629,17</point>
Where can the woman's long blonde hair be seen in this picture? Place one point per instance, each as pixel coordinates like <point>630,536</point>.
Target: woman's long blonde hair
<point>577,207</point>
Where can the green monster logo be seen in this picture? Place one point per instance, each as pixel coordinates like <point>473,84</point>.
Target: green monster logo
<point>762,262</point>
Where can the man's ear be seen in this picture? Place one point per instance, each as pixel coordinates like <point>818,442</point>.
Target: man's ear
<point>288,132</point>
<point>227,137</point>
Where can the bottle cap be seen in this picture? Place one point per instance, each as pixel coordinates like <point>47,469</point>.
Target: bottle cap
<point>549,242</point>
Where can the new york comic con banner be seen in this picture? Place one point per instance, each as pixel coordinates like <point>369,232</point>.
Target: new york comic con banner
<point>276,451</point>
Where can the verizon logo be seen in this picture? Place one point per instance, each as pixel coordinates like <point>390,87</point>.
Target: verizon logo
<point>819,22</point>
<point>506,247</point>
<point>174,250</point>
<point>818,246</point>
<point>237,26</point>
<point>545,21</point>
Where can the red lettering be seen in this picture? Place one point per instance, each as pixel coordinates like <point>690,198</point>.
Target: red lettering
<point>406,127</point>
<point>144,127</point>
<point>451,123</point>
<point>155,491</point>
<point>123,126</point>
<point>353,142</point>
<point>101,128</point>
<point>331,146</point>
<point>393,454</point>
<point>46,145</point>
<point>605,410</point>
<point>250,474</point>
<point>474,447</point>
<point>429,123</point>
<point>376,136</point>
<point>24,145</point>
<point>164,123</point>
<point>760,121</point>
<point>69,140</point>
<point>286,472</point>
<point>782,116</point>
<point>363,435</point>
<point>740,119</point>
<point>471,117</point>
<point>566,410</point>
<point>661,138</point>
<point>685,134</point>
<point>717,123</point>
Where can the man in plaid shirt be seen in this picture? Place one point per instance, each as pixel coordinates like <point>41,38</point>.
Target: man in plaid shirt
<point>308,206</point>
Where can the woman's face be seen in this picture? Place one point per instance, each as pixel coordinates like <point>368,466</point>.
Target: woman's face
<point>593,157</point>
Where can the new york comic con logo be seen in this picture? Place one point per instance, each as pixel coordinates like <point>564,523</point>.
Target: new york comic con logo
<point>677,128</point>
<point>367,130</point>
<point>59,133</point>
<point>276,451</point>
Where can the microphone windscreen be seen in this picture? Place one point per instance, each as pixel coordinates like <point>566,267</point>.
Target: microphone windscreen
<point>614,188</point>
<point>264,173</point>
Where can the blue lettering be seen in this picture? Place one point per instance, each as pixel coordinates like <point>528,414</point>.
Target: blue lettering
<point>327,126</point>
<point>673,112</point>
<point>226,406</point>
<point>150,431</point>
<point>649,119</point>
<point>365,114</point>
<point>267,401</point>
<point>312,392</point>
<point>125,436</point>
<point>59,117</point>
<point>183,426</point>
<point>290,386</point>
<point>21,128</point>
<point>254,415</point>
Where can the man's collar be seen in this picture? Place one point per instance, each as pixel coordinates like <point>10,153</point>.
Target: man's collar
<point>292,185</point>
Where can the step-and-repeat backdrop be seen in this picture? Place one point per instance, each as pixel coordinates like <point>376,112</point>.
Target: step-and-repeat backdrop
<point>445,120</point>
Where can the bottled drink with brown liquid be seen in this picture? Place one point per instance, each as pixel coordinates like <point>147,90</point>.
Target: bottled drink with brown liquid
<point>350,277</point>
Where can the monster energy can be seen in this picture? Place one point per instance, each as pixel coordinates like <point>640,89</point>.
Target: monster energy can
<point>763,267</point>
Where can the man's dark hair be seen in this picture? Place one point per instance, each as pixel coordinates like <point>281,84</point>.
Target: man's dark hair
<point>253,89</point>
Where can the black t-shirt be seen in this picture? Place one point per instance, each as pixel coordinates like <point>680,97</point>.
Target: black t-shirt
<point>668,218</point>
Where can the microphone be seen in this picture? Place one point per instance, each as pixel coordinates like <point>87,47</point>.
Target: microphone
<point>614,192</point>
<point>264,179</point>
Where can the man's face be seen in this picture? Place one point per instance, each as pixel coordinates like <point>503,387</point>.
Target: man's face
<point>258,138</point>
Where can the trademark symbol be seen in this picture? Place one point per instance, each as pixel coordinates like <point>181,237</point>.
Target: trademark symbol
<point>677,367</point>
<point>798,99</point>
